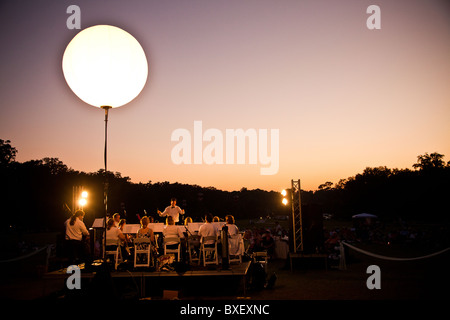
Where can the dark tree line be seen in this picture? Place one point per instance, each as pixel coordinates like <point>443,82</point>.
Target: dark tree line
<point>421,194</point>
<point>35,194</point>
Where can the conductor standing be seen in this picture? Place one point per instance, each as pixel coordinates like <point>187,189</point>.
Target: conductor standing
<point>173,210</point>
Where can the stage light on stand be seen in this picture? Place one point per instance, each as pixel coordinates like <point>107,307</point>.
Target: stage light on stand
<point>82,202</point>
<point>284,194</point>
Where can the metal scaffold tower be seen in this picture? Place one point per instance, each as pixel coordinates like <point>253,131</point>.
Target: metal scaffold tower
<point>296,216</point>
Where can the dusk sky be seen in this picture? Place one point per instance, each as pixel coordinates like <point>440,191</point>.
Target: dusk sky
<point>343,97</point>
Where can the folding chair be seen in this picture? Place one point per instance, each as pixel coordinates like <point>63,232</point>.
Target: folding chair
<point>210,249</point>
<point>262,258</point>
<point>142,255</point>
<point>117,253</point>
<point>193,243</point>
<point>235,248</point>
<point>169,241</point>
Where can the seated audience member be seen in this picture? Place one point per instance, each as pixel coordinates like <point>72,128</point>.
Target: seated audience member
<point>268,243</point>
<point>332,242</point>
<point>248,241</point>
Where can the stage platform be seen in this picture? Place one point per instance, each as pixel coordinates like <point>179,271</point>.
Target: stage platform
<point>211,278</point>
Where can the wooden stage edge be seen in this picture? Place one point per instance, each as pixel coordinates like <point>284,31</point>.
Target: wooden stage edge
<point>235,270</point>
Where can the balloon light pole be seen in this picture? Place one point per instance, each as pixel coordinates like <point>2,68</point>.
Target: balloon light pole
<point>106,182</point>
<point>105,67</point>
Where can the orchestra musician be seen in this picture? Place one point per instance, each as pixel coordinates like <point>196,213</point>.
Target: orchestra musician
<point>208,229</point>
<point>145,230</point>
<point>187,220</point>
<point>171,230</point>
<point>232,228</point>
<point>112,232</point>
<point>173,210</point>
<point>116,217</point>
<point>187,233</point>
<point>76,235</point>
<point>192,238</point>
<point>128,240</point>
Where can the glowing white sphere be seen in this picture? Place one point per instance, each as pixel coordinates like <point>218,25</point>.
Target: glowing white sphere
<point>105,66</point>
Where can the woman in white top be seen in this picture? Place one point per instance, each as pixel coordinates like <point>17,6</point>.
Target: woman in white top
<point>75,230</point>
<point>75,227</point>
<point>112,232</point>
<point>232,228</point>
<point>115,234</point>
<point>236,245</point>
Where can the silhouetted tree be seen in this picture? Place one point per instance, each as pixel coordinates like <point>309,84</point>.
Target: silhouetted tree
<point>7,152</point>
<point>325,186</point>
<point>429,161</point>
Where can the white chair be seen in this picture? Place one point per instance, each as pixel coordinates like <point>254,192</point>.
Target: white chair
<point>117,253</point>
<point>170,241</point>
<point>235,248</point>
<point>193,243</point>
<point>142,255</point>
<point>209,248</point>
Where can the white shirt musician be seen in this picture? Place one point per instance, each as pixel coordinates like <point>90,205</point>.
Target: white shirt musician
<point>208,229</point>
<point>75,227</point>
<point>173,210</point>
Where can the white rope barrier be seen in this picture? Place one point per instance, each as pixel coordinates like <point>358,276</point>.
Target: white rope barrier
<point>392,258</point>
<point>28,255</point>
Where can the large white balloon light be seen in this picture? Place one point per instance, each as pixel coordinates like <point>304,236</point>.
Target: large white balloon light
<point>105,66</point>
